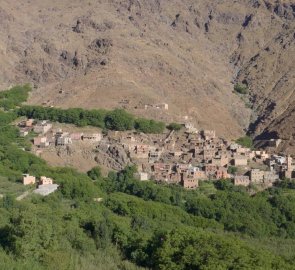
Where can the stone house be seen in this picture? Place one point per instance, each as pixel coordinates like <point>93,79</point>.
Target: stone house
<point>256,176</point>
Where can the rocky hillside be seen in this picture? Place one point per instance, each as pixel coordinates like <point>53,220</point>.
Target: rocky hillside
<point>129,53</point>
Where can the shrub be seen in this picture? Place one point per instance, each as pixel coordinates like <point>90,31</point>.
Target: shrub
<point>232,169</point>
<point>241,89</point>
<point>174,126</point>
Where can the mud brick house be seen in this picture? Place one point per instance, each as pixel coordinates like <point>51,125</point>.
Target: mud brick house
<point>221,173</point>
<point>29,123</point>
<point>77,136</point>
<point>256,176</point>
<point>42,127</point>
<point>210,170</point>
<point>240,161</point>
<point>220,161</point>
<point>241,180</point>
<point>208,154</point>
<point>189,182</point>
<point>93,137</point>
<point>41,142</point>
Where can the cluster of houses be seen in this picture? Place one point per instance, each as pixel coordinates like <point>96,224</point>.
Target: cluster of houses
<point>189,157</point>
<point>45,185</point>
<point>49,137</point>
<point>185,157</point>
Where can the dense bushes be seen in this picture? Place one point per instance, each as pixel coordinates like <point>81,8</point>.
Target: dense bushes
<point>75,116</point>
<point>149,126</point>
<point>117,119</point>
<point>245,141</point>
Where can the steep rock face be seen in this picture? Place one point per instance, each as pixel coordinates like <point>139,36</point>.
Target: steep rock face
<point>186,53</point>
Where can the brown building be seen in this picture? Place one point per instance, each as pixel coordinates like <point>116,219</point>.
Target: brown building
<point>241,180</point>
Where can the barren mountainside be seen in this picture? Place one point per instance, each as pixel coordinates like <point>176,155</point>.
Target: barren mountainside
<point>187,53</point>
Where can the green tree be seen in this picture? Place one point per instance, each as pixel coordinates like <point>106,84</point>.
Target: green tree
<point>95,173</point>
<point>245,141</point>
<point>149,126</point>
<point>120,120</point>
<point>174,126</point>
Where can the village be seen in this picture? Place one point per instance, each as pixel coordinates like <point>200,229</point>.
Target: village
<point>183,157</point>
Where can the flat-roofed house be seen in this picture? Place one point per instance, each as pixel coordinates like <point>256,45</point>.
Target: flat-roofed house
<point>142,176</point>
<point>29,122</point>
<point>41,142</point>
<point>240,161</point>
<point>62,141</point>
<point>189,181</point>
<point>256,176</point>
<point>241,180</point>
<point>29,179</point>
<point>77,136</point>
<point>94,137</point>
<point>221,173</point>
<point>45,180</point>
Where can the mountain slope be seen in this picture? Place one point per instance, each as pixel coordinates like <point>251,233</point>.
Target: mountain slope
<point>136,52</point>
